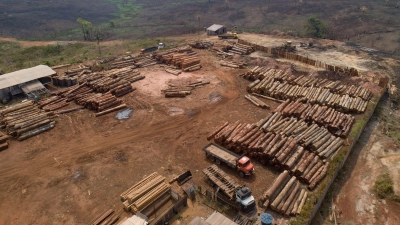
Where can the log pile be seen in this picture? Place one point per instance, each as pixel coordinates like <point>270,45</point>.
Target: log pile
<point>74,72</point>
<point>145,192</point>
<point>314,95</point>
<point>336,122</point>
<point>261,73</point>
<point>99,102</point>
<point>236,65</point>
<point>25,120</point>
<point>240,49</point>
<point>257,102</point>
<point>276,148</point>
<point>202,44</point>
<point>107,60</point>
<point>182,90</point>
<point>181,58</point>
<point>286,195</point>
<point>3,141</point>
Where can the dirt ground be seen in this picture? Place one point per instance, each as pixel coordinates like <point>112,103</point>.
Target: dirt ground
<point>76,171</point>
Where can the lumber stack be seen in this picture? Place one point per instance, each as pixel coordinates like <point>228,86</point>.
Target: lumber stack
<point>286,195</point>
<point>25,120</point>
<point>145,192</point>
<point>336,122</point>
<point>107,218</point>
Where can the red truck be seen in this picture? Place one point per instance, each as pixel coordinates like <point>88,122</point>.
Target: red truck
<point>220,154</point>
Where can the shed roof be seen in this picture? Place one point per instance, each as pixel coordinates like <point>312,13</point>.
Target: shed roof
<point>25,75</point>
<point>218,219</point>
<point>215,27</point>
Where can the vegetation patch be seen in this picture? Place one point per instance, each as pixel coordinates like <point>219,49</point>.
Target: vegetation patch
<point>383,187</point>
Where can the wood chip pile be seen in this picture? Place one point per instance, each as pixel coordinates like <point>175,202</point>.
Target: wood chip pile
<point>25,120</point>
<point>145,192</point>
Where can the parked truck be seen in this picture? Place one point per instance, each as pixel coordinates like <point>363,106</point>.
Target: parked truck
<point>219,154</point>
<point>235,192</point>
<point>152,49</point>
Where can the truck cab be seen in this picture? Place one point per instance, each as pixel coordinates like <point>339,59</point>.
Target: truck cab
<point>244,166</point>
<point>245,199</point>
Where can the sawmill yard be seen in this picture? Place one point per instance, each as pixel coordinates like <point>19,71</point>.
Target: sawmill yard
<point>77,170</point>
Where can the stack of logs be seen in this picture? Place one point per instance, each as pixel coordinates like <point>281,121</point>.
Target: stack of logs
<point>202,44</point>
<point>181,58</point>
<point>236,65</point>
<point>146,191</point>
<point>25,120</point>
<point>137,62</point>
<point>257,102</point>
<point>183,90</point>
<point>261,73</point>
<point>107,218</point>
<point>53,103</point>
<point>274,147</point>
<point>336,122</point>
<point>240,49</point>
<point>315,95</point>
<point>3,141</point>
<point>285,196</point>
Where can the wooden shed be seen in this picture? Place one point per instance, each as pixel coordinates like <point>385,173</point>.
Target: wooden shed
<point>216,29</point>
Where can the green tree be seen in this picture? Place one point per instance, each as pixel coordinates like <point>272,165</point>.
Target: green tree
<point>112,23</point>
<point>315,28</point>
<point>86,27</point>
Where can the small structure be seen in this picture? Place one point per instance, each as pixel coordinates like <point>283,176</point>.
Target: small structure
<point>135,220</point>
<point>216,29</point>
<point>214,219</point>
<point>28,81</point>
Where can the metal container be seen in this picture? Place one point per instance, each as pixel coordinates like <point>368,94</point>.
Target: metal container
<point>266,219</point>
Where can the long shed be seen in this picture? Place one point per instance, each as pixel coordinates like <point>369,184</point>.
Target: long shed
<point>28,81</point>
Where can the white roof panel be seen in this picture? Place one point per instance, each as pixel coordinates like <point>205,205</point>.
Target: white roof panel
<point>215,27</point>
<point>25,75</point>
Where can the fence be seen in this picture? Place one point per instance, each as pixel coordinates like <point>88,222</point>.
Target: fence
<point>172,211</point>
<point>304,59</point>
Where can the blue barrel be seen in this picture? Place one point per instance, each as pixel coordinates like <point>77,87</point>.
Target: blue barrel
<point>266,219</point>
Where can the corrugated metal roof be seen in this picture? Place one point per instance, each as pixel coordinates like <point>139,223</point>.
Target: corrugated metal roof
<point>218,219</point>
<point>25,75</point>
<point>215,27</point>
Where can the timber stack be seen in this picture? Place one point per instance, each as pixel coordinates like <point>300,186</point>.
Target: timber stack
<point>144,193</point>
<point>314,95</point>
<point>3,141</point>
<point>182,90</point>
<point>202,44</point>
<point>336,122</point>
<point>25,120</point>
<point>183,58</point>
<point>236,65</point>
<point>274,147</point>
<point>257,102</point>
<point>286,195</point>
<point>264,73</point>
<point>240,49</point>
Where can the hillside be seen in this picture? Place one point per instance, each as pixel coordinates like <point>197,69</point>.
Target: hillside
<point>372,24</point>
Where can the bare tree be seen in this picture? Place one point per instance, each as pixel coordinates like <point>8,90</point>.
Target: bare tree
<point>363,9</point>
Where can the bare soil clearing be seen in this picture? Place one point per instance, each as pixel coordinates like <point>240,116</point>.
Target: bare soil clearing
<point>78,170</point>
